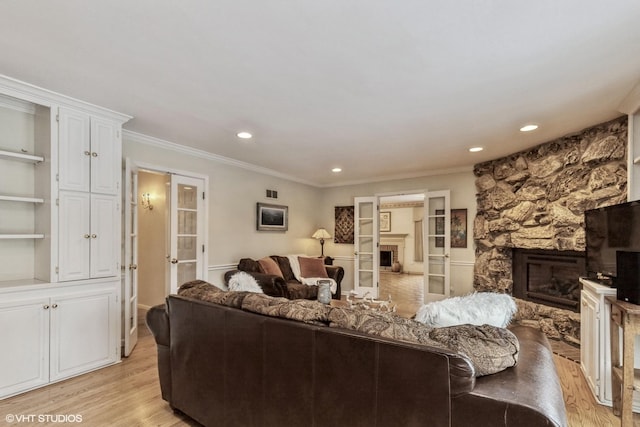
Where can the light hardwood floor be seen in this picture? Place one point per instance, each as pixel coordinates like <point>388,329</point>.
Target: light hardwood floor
<point>128,394</point>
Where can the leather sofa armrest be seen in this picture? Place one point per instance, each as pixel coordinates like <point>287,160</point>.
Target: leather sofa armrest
<point>271,285</point>
<point>336,273</point>
<point>158,323</point>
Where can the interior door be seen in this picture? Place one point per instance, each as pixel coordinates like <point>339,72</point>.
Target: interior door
<point>186,259</point>
<point>130,262</point>
<point>438,243</point>
<point>366,236</point>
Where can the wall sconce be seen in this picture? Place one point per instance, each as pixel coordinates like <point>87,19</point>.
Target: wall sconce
<point>146,201</point>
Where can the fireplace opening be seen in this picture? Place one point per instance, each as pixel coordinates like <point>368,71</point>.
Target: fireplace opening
<point>548,277</point>
<point>386,258</point>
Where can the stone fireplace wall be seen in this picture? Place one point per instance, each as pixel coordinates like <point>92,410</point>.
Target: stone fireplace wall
<point>536,199</point>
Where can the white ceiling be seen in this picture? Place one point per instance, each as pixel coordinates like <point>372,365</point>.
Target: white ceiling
<point>381,88</point>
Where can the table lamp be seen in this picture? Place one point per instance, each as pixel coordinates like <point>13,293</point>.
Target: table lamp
<point>321,234</point>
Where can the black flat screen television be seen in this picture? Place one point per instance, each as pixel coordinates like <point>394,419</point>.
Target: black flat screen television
<point>608,230</point>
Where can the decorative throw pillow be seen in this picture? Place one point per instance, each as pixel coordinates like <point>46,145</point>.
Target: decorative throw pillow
<point>242,281</point>
<point>270,266</point>
<point>312,267</point>
<point>490,349</point>
<point>478,308</point>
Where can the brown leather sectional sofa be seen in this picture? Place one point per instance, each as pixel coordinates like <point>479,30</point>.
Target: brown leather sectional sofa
<point>287,286</point>
<point>225,366</point>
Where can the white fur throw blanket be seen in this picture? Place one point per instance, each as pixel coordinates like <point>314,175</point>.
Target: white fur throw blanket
<point>244,282</point>
<point>309,281</point>
<point>478,308</point>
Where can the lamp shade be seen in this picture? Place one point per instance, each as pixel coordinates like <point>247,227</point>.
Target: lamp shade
<point>321,233</point>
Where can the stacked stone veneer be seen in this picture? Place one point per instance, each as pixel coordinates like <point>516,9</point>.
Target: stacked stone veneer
<point>536,199</point>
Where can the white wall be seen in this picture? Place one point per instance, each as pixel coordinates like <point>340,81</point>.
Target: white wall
<point>152,241</point>
<point>232,198</point>
<point>462,186</point>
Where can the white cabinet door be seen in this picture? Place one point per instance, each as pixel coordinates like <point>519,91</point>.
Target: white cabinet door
<point>24,334</point>
<point>82,336</point>
<point>104,236</point>
<point>106,156</point>
<point>74,236</point>
<point>89,154</point>
<point>89,236</point>
<point>74,150</point>
<point>589,340</point>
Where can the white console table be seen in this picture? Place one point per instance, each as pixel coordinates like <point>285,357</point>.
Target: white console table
<point>595,343</point>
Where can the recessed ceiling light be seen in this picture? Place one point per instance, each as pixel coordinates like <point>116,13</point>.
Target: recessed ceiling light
<point>336,170</point>
<point>475,149</point>
<point>244,135</point>
<point>528,128</point>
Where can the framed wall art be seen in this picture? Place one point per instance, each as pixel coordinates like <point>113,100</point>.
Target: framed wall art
<point>344,217</point>
<point>272,217</point>
<point>385,221</point>
<point>458,228</point>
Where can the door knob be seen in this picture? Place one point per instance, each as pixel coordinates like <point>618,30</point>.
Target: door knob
<point>133,267</point>
<point>174,261</point>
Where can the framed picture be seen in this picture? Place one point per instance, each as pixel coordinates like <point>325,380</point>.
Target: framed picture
<point>385,221</point>
<point>458,228</point>
<point>344,224</point>
<point>272,217</point>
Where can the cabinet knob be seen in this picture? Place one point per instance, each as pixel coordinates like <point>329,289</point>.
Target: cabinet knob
<point>86,236</point>
<point>93,236</point>
<point>46,306</point>
<point>87,153</point>
<point>94,154</point>
<point>55,305</point>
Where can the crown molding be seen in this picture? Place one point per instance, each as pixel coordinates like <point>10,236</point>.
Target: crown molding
<point>412,175</point>
<point>183,149</point>
<point>27,92</point>
<point>17,105</point>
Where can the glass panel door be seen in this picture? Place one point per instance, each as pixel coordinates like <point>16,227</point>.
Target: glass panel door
<point>186,259</point>
<point>366,246</point>
<point>437,248</point>
<point>130,264</point>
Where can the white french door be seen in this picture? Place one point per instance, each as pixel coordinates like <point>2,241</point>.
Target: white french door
<point>130,262</point>
<point>366,231</point>
<point>187,250</point>
<point>438,245</point>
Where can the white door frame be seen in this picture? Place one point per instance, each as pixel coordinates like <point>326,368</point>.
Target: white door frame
<point>143,166</point>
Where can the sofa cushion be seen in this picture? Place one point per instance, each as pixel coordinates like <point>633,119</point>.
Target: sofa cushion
<point>312,267</point>
<point>270,266</point>
<point>491,349</point>
<point>301,310</point>
<point>244,282</point>
<point>204,291</point>
<point>477,308</point>
<point>285,267</point>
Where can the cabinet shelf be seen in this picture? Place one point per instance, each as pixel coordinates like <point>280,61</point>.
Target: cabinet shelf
<point>21,157</point>
<point>21,199</point>
<point>21,236</point>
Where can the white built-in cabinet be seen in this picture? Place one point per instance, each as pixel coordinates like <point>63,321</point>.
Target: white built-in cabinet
<point>595,344</point>
<point>60,236</point>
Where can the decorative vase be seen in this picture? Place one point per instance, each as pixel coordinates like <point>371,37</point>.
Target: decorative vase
<point>396,267</point>
<point>324,291</point>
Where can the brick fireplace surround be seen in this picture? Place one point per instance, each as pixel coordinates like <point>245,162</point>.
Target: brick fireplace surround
<point>536,199</point>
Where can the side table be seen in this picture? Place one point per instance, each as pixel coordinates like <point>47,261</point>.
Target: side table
<point>624,378</point>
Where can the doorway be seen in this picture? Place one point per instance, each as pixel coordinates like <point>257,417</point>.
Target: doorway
<point>165,219</point>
